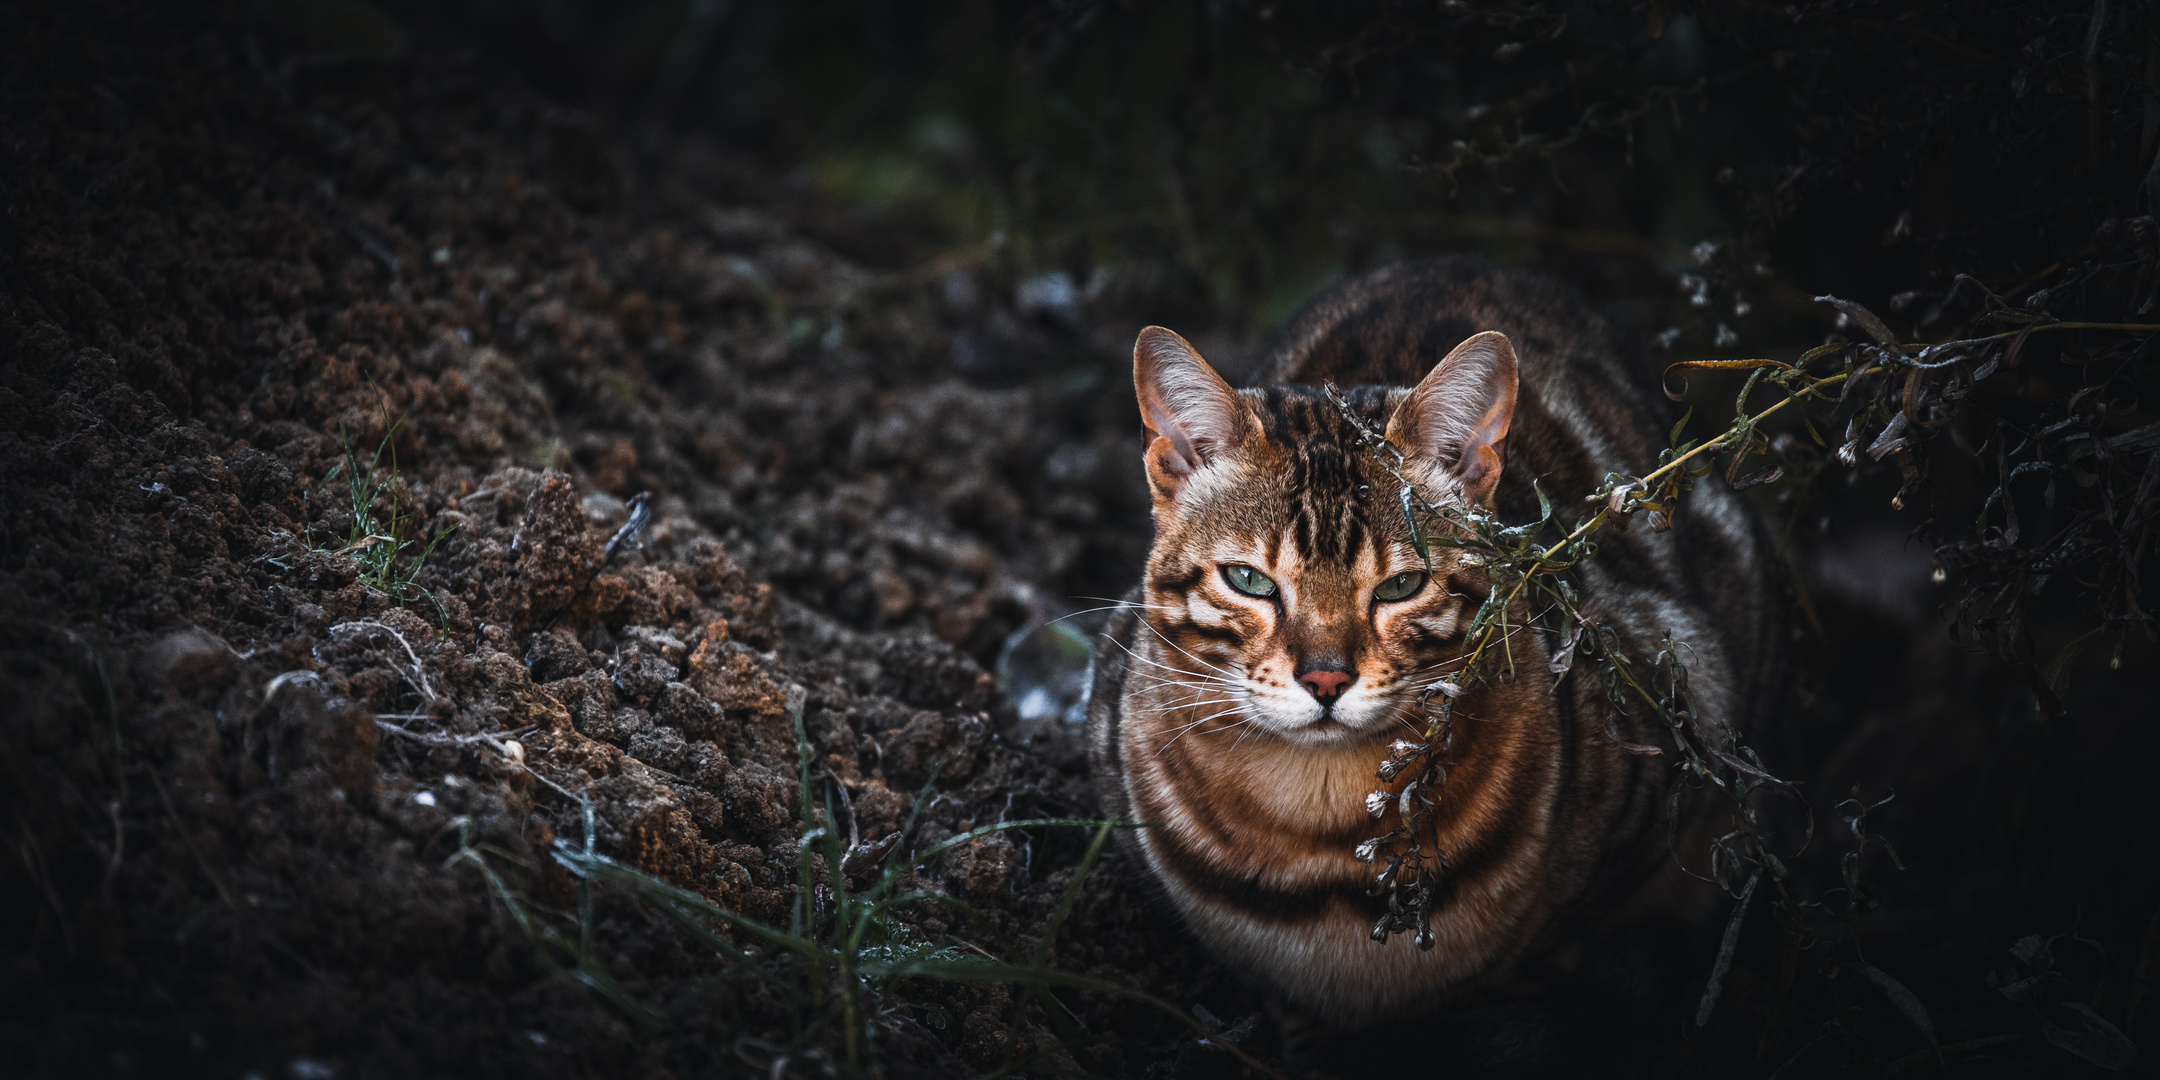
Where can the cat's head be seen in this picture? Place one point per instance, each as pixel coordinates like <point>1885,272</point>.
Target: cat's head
<point>1283,582</point>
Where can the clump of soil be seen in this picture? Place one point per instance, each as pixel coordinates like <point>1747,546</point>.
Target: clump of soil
<point>237,759</point>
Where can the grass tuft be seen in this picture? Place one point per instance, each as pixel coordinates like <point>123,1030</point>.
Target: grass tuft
<point>845,951</point>
<point>379,539</point>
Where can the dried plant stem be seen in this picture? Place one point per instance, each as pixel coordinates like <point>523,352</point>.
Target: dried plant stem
<point>1595,521</point>
<point>1723,441</point>
<point>1703,747</point>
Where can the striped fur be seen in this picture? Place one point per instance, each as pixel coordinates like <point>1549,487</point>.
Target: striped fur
<point>1551,829</point>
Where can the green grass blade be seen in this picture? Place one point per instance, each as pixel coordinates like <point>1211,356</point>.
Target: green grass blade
<point>596,867</point>
<point>971,835</point>
<point>1044,951</point>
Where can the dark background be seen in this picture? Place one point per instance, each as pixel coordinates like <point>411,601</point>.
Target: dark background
<point>1025,185</point>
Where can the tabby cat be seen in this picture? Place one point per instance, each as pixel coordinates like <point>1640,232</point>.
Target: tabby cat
<point>1285,631</point>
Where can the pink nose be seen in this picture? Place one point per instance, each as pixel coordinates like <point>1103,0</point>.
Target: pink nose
<point>1325,685</point>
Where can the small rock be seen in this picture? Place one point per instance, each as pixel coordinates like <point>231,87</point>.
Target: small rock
<point>641,676</point>
<point>660,747</point>
<point>688,711</point>
<point>182,663</point>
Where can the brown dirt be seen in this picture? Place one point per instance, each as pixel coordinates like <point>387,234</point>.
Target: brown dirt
<point>225,261</point>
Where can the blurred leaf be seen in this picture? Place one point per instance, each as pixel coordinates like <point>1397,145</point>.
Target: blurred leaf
<point>1766,475</point>
<point>1680,393</point>
<point>1905,1001</point>
<point>2058,669</point>
<point>2096,1040</point>
<point>1863,318</point>
<point>1725,951</point>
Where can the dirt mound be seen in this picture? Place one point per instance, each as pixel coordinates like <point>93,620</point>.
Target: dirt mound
<point>259,704</point>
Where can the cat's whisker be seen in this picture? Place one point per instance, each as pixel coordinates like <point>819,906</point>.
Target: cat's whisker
<point>1156,663</point>
<point>1187,676</point>
<point>1115,602</point>
<point>1179,732</point>
<point>1402,716</point>
<point>1200,682</point>
<point>1114,605</point>
<point>1440,672</point>
<point>1160,682</point>
<point>1195,696</point>
<point>1233,710</point>
<point>1159,637</point>
<point>1241,736</point>
<point>1194,703</point>
<point>1229,679</point>
<point>1187,729</point>
<point>1203,663</point>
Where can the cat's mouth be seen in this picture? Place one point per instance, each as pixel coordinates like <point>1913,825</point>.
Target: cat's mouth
<point>1326,729</point>
<point>1312,724</point>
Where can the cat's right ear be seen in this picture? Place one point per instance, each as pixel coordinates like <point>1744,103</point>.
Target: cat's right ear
<point>1193,417</point>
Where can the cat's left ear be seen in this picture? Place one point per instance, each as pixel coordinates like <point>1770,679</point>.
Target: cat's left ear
<point>1456,421</point>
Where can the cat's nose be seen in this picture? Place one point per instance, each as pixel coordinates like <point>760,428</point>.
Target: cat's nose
<point>1326,686</point>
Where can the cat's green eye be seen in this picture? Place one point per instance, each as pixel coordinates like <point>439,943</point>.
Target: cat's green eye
<point>1400,587</point>
<point>1247,580</point>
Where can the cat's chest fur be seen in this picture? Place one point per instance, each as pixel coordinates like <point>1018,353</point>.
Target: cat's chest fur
<point>1254,846</point>
<point>1247,694</point>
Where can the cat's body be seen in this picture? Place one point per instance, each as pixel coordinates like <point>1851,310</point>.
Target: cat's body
<point>1244,701</point>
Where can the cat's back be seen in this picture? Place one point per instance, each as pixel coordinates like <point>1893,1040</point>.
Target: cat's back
<point>1389,328</point>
